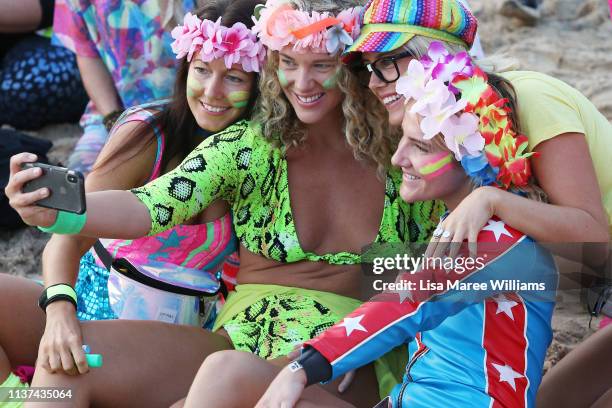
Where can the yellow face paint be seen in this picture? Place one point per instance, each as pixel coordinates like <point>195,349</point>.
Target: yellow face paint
<point>434,166</point>
<point>194,87</point>
<point>282,78</point>
<point>239,99</point>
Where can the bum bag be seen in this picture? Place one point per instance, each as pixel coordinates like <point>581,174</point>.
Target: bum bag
<point>160,291</point>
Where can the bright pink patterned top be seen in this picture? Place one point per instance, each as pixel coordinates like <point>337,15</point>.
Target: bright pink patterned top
<point>199,246</point>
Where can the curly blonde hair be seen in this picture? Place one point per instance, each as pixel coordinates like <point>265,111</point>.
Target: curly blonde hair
<point>365,119</point>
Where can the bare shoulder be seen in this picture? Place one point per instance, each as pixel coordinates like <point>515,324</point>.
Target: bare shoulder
<point>126,161</point>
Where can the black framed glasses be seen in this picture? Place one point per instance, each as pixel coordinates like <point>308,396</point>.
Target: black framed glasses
<point>386,68</point>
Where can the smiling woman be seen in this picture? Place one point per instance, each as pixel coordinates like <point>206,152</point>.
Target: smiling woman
<point>558,121</point>
<point>309,81</point>
<point>449,313</point>
<point>301,88</point>
<point>212,91</point>
<point>309,186</point>
<point>216,95</point>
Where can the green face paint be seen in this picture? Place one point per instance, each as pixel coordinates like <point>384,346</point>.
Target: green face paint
<point>194,87</point>
<point>332,81</point>
<point>239,99</point>
<point>435,165</point>
<point>282,78</point>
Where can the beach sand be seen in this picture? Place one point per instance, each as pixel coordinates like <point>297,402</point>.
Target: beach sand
<point>573,42</point>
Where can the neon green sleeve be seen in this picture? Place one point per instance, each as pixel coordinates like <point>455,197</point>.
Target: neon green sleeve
<point>212,171</point>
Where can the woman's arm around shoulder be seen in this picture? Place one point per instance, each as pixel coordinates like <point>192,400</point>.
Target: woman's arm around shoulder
<point>574,213</point>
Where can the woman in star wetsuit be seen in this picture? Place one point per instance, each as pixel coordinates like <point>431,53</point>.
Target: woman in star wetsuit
<point>478,327</point>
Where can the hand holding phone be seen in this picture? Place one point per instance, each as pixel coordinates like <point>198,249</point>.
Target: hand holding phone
<point>66,187</point>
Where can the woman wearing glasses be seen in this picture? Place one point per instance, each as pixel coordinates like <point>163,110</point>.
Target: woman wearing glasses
<point>309,188</point>
<point>486,346</point>
<point>560,123</point>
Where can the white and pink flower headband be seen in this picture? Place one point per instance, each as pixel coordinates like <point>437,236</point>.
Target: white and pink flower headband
<point>236,44</point>
<point>454,98</point>
<point>280,24</point>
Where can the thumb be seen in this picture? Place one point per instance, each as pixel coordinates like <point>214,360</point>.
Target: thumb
<point>295,353</point>
<point>346,381</point>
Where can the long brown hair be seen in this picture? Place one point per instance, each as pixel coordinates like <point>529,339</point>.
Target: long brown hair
<point>176,119</point>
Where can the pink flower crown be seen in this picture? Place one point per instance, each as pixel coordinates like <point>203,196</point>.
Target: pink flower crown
<point>477,127</point>
<point>236,44</point>
<point>279,25</point>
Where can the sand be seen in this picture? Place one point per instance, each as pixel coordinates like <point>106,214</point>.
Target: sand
<point>573,42</point>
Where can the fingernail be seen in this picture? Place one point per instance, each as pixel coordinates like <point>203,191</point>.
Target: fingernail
<point>44,192</point>
<point>32,157</point>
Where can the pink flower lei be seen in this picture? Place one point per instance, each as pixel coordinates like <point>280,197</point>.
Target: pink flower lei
<point>236,44</point>
<point>279,25</point>
<point>454,99</point>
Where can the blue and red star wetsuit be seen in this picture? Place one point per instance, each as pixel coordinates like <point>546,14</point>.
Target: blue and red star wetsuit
<point>478,348</point>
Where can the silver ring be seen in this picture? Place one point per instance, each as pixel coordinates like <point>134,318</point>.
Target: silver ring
<point>438,232</point>
<point>446,234</point>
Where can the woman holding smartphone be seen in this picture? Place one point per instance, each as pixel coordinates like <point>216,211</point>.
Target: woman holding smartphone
<point>211,92</point>
<point>309,186</point>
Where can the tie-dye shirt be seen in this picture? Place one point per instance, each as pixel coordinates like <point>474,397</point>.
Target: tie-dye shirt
<point>129,38</point>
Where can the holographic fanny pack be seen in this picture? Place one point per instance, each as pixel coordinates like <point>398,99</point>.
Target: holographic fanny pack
<point>160,291</point>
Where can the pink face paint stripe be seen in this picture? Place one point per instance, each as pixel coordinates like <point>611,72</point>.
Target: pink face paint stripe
<point>438,172</point>
<point>436,165</point>
<point>432,163</point>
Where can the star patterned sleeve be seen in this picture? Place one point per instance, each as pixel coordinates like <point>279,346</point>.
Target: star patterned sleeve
<point>423,300</point>
<point>210,172</point>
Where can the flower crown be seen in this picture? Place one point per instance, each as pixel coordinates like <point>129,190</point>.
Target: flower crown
<point>279,24</point>
<point>477,127</point>
<point>236,44</point>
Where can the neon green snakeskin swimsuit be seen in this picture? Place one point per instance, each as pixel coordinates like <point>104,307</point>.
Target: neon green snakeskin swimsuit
<point>240,166</point>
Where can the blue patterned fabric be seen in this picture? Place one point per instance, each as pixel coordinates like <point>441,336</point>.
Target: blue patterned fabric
<point>39,84</point>
<point>92,291</point>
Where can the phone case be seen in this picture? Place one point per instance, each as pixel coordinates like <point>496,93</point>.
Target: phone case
<point>67,188</point>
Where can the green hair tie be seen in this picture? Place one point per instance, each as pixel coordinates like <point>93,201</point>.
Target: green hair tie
<point>66,223</point>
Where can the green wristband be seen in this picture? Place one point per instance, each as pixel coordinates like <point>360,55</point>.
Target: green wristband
<point>66,223</point>
<point>60,291</point>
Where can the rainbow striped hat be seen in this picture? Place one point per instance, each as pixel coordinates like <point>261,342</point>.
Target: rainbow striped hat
<point>389,24</point>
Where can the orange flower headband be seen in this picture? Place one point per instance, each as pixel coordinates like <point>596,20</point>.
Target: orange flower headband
<point>279,24</point>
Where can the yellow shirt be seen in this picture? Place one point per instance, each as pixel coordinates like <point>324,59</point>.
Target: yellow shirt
<point>549,107</point>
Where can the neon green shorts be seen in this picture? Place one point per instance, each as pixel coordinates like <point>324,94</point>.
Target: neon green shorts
<point>270,320</point>
<point>12,384</point>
